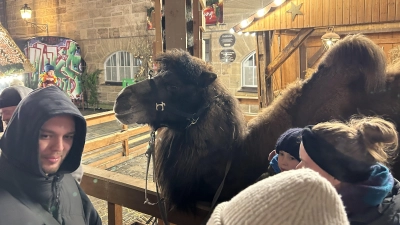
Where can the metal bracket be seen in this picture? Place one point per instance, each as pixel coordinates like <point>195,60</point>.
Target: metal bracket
<point>162,105</point>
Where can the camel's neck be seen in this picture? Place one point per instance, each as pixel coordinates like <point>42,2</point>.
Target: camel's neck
<point>190,163</point>
<point>265,129</point>
<point>219,126</point>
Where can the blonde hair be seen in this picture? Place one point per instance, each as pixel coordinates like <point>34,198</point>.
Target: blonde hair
<point>369,139</point>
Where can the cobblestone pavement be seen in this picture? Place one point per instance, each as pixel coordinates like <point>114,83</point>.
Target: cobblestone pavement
<point>135,167</point>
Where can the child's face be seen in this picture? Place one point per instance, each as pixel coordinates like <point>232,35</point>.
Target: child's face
<point>286,161</point>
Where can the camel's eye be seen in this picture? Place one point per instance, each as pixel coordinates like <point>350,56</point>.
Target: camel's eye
<point>172,88</point>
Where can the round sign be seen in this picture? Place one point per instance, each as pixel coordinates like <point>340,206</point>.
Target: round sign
<point>227,55</point>
<point>227,40</point>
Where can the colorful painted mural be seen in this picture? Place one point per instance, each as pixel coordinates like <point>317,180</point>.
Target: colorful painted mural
<point>64,55</point>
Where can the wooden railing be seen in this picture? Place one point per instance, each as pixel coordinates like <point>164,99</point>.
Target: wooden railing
<point>122,190</point>
<point>118,189</point>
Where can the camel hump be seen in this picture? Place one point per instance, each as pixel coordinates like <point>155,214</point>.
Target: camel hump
<point>355,56</point>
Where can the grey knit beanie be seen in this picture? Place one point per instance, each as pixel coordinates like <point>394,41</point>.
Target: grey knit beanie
<point>294,197</point>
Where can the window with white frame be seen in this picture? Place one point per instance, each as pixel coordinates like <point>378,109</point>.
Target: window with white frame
<point>249,72</point>
<point>121,65</point>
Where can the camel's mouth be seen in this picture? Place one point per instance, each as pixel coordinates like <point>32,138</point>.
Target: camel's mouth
<point>131,117</point>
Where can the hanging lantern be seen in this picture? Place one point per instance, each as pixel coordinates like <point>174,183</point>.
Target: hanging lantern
<point>330,38</point>
<point>26,12</point>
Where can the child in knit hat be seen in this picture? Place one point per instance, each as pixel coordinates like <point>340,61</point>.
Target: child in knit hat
<point>286,153</point>
<point>296,197</point>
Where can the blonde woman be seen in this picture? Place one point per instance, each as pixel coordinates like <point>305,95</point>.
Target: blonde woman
<point>353,157</point>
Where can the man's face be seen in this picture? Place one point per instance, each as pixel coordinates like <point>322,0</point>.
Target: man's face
<point>50,72</point>
<point>6,113</point>
<point>55,140</point>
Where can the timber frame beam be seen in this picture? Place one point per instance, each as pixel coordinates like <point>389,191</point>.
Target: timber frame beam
<point>314,58</point>
<point>288,51</point>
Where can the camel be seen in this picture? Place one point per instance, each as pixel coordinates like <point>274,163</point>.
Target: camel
<point>204,129</point>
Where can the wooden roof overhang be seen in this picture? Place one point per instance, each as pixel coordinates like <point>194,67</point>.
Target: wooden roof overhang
<point>359,14</point>
<point>12,59</point>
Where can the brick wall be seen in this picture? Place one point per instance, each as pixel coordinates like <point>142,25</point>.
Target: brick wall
<point>101,27</point>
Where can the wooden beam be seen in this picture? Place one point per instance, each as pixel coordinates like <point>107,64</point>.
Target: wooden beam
<point>158,43</point>
<point>128,191</point>
<point>196,28</point>
<point>288,51</point>
<point>98,118</point>
<point>114,214</point>
<point>263,58</point>
<point>260,60</point>
<point>175,25</point>
<point>113,138</point>
<point>265,89</point>
<point>303,61</point>
<point>314,58</point>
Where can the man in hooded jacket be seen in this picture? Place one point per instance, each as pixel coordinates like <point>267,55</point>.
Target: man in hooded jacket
<point>9,99</point>
<point>41,146</point>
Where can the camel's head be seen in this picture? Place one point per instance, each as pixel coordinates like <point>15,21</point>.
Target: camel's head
<point>171,97</point>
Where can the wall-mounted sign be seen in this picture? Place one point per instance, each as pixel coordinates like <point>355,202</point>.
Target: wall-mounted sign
<point>214,12</point>
<point>227,55</point>
<point>227,40</point>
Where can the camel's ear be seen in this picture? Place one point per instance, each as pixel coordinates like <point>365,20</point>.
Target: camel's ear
<point>206,78</point>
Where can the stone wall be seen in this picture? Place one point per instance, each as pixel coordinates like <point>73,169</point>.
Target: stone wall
<point>3,16</point>
<point>101,27</point>
<point>230,73</point>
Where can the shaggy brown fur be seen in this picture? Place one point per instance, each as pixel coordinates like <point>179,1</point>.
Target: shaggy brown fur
<point>191,160</point>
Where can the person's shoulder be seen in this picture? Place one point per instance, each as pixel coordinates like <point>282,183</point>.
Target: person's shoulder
<point>13,211</point>
<point>390,207</point>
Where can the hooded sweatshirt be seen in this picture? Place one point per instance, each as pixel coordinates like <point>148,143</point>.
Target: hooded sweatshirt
<point>11,96</point>
<point>27,194</point>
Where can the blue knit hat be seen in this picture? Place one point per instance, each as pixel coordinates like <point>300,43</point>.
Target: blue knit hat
<point>290,142</point>
<point>48,67</point>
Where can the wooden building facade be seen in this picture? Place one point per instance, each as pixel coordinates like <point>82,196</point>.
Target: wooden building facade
<point>289,35</point>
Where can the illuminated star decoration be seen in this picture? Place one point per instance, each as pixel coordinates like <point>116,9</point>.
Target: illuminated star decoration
<point>295,10</point>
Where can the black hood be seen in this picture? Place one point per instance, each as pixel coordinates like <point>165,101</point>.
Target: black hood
<point>20,141</point>
<point>11,96</point>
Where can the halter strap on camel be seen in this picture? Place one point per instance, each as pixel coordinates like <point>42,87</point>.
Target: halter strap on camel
<point>193,118</point>
<point>160,201</point>
<point>162,107</point>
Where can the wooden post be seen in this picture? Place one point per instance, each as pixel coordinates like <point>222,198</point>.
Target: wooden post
<point>265,91</point>
<point>261,62</point>
<point>175,25</point>
<point>114,214</point>
<point>158,43</point>
<point>303,61</point>
<point>288,51</point>
<point>125,143</point>
<point>314,58</point>
<point>196,28</point>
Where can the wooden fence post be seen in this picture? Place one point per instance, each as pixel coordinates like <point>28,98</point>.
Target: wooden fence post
<point>114,214</point>
<point>125,143</point>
